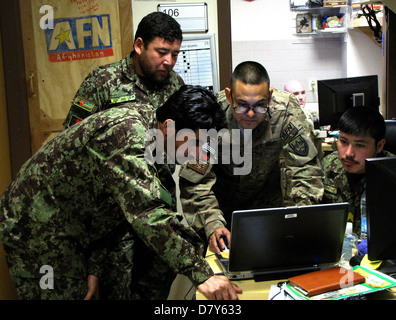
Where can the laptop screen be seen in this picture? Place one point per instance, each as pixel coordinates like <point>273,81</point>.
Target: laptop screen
<point>287,237</point>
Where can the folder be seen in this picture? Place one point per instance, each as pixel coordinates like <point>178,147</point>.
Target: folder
<point>318,282</point>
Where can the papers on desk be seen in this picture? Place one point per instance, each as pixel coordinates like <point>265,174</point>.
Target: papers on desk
<point>375,281</point>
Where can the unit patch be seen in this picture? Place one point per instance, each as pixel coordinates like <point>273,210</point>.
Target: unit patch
<point>299,146</point>
<point>289,133</point>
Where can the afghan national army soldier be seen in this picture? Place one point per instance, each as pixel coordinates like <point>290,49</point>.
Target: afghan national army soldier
<point>72,202</point>
<point>279,164</point>
<point>144,76</point>
<point>362,136</point>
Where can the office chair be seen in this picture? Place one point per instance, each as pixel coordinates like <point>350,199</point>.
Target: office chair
<point>390,136</point>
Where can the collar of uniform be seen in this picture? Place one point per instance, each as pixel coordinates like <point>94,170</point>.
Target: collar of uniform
<point>129,70</point>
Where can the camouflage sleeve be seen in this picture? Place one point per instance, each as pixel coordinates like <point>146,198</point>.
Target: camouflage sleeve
<point>88,99</point>
<point>200,206</point>
<point>302,171</point>
<point>145,203</point>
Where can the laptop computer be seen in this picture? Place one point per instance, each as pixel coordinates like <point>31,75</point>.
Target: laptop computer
<point>281,242</point>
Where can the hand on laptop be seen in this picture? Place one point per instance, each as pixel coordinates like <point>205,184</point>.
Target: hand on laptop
<point>219,288</point>
<point>216,241</point>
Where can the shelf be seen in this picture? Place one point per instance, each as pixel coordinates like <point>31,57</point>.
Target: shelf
<point>316,8</point>
<point>324,31</point>
<point>362,24</point>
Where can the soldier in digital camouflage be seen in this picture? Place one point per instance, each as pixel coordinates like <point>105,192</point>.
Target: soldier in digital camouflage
<point>362,135</point>
<point>74,200</point>
<point>285,169</point>
<point>145,76</point>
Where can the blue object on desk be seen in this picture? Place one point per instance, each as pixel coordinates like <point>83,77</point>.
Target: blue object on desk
<point>224,237</point>
<point>362,248</point>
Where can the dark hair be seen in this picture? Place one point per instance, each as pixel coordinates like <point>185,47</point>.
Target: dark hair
<point>193,107</point>
<point>250,72</point>
<point>363,121</point>
<point>158,24</point>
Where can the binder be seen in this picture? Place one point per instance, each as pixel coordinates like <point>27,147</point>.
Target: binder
<point>317,282</point>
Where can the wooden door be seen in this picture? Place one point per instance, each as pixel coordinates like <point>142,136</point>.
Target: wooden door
<point>63,40</point>
<point>390,57</point>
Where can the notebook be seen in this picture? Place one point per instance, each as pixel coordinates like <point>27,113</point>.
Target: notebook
<point>278,243</point>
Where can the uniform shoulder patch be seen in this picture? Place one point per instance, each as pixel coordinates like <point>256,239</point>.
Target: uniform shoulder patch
<point>289,132</point>
<point>299,146</point>
<point>83,104</point>
<point>198,167</point>
<point>122,99</point>
<point>330,189</point>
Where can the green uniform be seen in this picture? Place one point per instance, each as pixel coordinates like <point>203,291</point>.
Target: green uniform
<point>86,193</point>
<point>284,167</point>
<point>118,84</point>
<point>110,86</point>
<point>340,186</point>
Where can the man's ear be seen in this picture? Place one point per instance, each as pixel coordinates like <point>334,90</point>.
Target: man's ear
<point>167,127</point>
<point>271,91</point>
<point>380,145</point>
<point>228,95</point>
<point>138,46</point>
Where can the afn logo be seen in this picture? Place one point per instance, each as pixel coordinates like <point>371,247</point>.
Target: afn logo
<point>79,38</point>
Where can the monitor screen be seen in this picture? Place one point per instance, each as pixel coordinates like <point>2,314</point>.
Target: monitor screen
<point>338,95</point>
<point>381,208</point>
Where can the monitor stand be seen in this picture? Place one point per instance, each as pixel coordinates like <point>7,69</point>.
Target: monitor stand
<point>388,267</point>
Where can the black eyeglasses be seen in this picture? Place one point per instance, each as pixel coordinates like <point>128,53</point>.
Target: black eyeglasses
<point>259,107</point>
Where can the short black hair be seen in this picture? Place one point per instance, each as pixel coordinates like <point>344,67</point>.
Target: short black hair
<point>193,107</point>
<point>363,121</point>
<point>250,72</point>
<point>158,24</point>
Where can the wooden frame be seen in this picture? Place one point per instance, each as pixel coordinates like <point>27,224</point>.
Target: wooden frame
<point>225,42</point>
<point>29,127</point>
<point>389,28</point>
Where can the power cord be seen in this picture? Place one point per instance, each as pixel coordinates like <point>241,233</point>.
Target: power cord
<point>370,15</point>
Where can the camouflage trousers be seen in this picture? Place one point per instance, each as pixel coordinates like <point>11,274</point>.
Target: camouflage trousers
<point>130,271</point>
<point>63,289</point>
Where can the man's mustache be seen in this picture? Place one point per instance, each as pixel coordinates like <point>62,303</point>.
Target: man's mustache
<point>350,159</point>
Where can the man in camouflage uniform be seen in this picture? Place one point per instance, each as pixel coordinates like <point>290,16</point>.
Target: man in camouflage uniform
<point>298,89</point>
<point>362,135</point>
<point>282,146</point>
<point>144,76</point>
<point>73,200</point>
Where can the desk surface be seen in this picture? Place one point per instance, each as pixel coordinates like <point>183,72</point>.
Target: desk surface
<point>252,290</point>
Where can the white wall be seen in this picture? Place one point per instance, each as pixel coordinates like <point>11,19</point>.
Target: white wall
<point>264,31</point>
<point>141,8</point>
<point>364,57</point>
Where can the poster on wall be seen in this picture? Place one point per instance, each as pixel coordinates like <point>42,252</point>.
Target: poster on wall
<point>72,37</point>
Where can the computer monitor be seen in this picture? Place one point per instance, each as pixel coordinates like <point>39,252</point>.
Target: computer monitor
<point>381,208</point>
<point>338,95</point>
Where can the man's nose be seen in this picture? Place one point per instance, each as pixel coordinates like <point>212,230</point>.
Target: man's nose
<point>169,60</point>
<point>251,112</point>
<point>350,151</point>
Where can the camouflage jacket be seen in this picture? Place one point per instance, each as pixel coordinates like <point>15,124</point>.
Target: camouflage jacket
<point>340,186</point>
<point>284,166</point>
<point>117,84</point>
<point>83,186</point>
